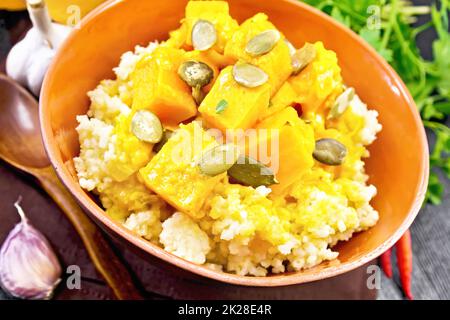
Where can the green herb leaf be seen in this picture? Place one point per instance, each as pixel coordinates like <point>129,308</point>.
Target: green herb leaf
<point>373,37</point>
<point>337,15</point>
<point>435,190</point>
<point>221,106</point>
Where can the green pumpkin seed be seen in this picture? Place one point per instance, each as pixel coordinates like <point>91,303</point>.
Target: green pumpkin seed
<point>249,172</point>
<point>249,75</point>
<point>198,95</point>
<point>218,159</point>
<point>195,73</point>
<point>262,43</point>
<point>291,47</point>
<point>204,35</point>
<point>341,104</point>
<point>146,126</point>
<point>166,136</point>
<point>330,152</point>
<point>303,57</point>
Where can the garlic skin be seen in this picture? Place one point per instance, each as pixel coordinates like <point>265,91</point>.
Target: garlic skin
<point>29,268</point>
<point>29,59</point>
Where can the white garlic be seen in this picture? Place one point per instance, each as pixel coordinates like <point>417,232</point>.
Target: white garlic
<point>29,59</point>
<point>29,268</point>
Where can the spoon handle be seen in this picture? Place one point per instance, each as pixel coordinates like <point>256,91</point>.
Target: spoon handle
<point>98,248</point>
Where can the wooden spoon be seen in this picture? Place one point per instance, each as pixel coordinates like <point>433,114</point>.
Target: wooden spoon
<point>21,146</point>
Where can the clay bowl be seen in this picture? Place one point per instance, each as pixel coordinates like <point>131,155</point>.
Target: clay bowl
<point>398,165</point>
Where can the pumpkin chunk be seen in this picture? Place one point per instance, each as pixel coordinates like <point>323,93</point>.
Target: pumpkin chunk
<point>130,152</point>
<point>174,174</point>
<point>284,98</point>
<point>292,156</point>
<point>215,12</point>
<point>158,88</point>
<point>230,105</point>
<point>276,63</point>
<point>319,84</point>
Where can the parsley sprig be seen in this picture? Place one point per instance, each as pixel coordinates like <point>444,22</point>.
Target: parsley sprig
<point>428,81</point>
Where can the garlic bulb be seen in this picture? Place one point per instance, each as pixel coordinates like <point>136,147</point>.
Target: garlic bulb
<point>30,58</point>
<point>29,268</point>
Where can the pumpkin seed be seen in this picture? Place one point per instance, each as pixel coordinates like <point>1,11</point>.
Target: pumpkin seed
<point>198,94</point>
<point>146,126</point>
<point>204,35</point>
<point>341,104</point>
<point>218,159</point>
<point>303,57</point>
<point>195,73</point>
<point>249,75</point>
<point>262,42</point>
<point>166,136</point>
<point>250,172</point>
<point>329,151</point>
<point>291,47</point>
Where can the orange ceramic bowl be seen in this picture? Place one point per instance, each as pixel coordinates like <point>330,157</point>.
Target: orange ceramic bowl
<point>398,165</point>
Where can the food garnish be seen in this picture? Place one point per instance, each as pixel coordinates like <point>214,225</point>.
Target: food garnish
<point>330,152</point>
<point>165,137</point>
<point>196,74</point>
<point>204,35</point>
<point>218,159</point>
<point>262,43</point>
<point>146,126</point>
<point>303,57</point>
<point>291,47</point>
<point>250,172</point>
<point>221,106</point>
<point>341,104</point>
<point>249,75</point>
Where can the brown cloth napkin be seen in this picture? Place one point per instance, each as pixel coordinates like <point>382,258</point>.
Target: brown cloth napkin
<point>156,283</point>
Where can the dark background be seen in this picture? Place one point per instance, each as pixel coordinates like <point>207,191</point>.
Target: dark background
<point>430,236</point>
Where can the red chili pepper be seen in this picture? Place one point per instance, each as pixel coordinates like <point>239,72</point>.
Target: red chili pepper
<point>404,262</point>
<point>385,260</point>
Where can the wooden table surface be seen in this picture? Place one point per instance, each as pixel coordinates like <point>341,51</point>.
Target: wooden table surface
<point>430,234</point>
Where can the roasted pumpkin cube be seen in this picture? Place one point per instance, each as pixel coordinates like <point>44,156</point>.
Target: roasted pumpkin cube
<point>276,63</point>
<point>216,12</point>
<point>177,38</point>
<point>319,84</point>
<point>291,155</point>
<point>173,172</point>
<point>285,97</point>
<point>220,60</point>
<point>130,152</point>
<point>158,88</point>
<point>230,105</point>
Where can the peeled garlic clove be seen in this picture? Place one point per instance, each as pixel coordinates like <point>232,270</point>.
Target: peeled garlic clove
<point>29,268</point>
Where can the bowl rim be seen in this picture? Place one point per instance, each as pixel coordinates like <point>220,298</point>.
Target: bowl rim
<point>283,279</point>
